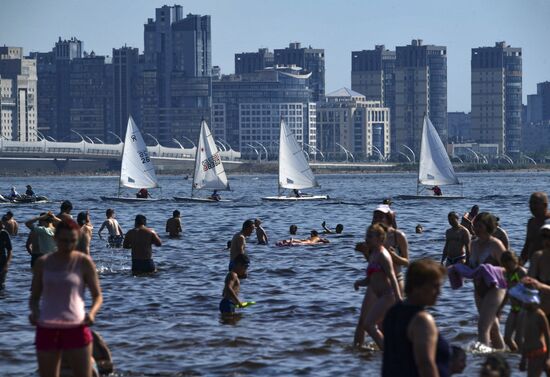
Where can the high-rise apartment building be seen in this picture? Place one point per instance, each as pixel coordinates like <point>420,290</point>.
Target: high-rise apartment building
<point>347,121</point>
<point>125,73</point>
<point>372,74</point>
<point>18,95</point>
<point>496,97</point>
<point>538,105</point>
<point>249,62</point>
<point>308,58</point>
<point>420,88</point>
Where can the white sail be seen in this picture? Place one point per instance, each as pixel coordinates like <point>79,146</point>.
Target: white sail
<point>137,169</point>
<point>209,172</point>
<point>435,166</point>
<point>294,170</point>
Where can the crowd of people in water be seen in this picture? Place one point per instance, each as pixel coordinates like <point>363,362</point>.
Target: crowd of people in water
<point>393,311</point>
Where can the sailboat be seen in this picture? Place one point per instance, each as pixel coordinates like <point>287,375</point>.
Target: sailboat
<point>137,170</point>
<point>294,170</point>
<point>434,168</point>
<point>209,173</point>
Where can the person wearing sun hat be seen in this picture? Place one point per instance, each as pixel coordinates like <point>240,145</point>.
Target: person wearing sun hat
<point>536,331</point>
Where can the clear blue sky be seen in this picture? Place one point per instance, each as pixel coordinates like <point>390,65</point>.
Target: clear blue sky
<point>338,26</point>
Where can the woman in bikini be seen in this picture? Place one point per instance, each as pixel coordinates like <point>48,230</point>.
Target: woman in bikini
<point>487,249</point>
<point>396,242</point>
<point>383,290</point>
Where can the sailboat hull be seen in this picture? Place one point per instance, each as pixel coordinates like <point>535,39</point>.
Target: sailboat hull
<point>127,200</point>
<point>198,200</point>
<point>295,199</point>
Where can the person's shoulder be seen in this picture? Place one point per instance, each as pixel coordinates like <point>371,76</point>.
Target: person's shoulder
<point>423,318</point>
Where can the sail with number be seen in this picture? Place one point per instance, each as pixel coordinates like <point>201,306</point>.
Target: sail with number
<point>137,169</point>
<point>209,172</point>
<point>294,170</point>
<point>435,166</point>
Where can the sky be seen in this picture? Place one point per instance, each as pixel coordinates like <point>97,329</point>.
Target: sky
<point>338,26</point>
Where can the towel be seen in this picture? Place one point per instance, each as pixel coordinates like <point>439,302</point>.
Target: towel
<point>491,275</point>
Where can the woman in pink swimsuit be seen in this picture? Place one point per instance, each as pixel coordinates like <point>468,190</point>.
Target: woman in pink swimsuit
<point>57,305</point>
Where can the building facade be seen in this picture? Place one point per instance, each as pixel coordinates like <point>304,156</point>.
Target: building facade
<point>125,72</point>
<point>308,58</point>
<point>18,95</point>
<point>247,109</point>
<point>420,88</point>
<point>459,127</point>
<point>249,62</point>
<point>348,122</point>
<point>497,97</point>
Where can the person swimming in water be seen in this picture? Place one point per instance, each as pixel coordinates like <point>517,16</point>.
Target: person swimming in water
<point>173,225</point>
<point>238,243</point>
<point>261,235</point>
<point>232,286</point>
<point>313,239</point>
<point>141,240</point>
<point>457,242</point>
<point>293,230</point>
<point>339,228</point>
<point>114,229</point>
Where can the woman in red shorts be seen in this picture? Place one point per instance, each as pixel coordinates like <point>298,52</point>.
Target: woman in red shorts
<point>57,305</point>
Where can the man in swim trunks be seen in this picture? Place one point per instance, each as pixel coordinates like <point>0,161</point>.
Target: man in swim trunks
<point>457,242</point>
<point>173,225</point>
<point>10,225</point>
<point>238,243</point>
<point>538,204</point>
<point>261,235</point>
<point>114,229</point>
<point>86,231</point>
<point>339,228</point>
<point>232,286</point>
<point>141,240</point>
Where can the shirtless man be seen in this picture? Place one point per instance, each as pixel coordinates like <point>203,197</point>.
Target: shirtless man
<point>113,227</point>
<point>339,228</point>
<point>65,210</point>
<point>457,242</point>
<point>502,235</point>
<point>10,225</point>
<point>238,243</point>
<point>86,231</point>
<point>232,286</point>
<point>260,232</point>
<point>173,225</point>
<point>538,204</point>
<point>141,240</point>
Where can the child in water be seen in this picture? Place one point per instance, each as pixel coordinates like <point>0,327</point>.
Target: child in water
<point>232,286</point>
<point>535,330</point>
<point>513,273</point>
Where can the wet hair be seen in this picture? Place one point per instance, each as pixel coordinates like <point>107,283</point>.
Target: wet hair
<point>339,228</point>
<point>508,256</point>
<point>498,364</point>
<point>247,224</point>
<point>9,214</point>
<point>140,220</point>
<point>68,224</point>
<point>423,271</point>
<point>176,213</point>
<point>82,217</point>
<point>110,212</point>
<point>379,229</point>
<point>488,220</point>
<point>314,233</point>
<point>66,206</point>
<point>241,260</point>
<point>293,229</point>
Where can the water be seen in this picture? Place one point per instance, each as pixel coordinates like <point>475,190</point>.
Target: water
<point>306,309</point>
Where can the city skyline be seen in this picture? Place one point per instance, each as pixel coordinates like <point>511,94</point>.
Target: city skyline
<point>459,27</point>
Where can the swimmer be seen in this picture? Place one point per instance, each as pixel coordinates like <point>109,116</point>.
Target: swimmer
<point>536,332</point>
<point>114,229</point>
<point>293,230</point>
<point>538,204</point>
<point>10,225</point>
<point>313,239</point>
<point>238,243</point>
<point>419,229</point>
<point>141,240</point>
<point>457,242</point>
<point>514,273</point>
<point>261,235</point>
<point>173,225</point>
<point>86,231</point>
<point>65,211</point>
<point>232,286</point>
<point>339,229</point>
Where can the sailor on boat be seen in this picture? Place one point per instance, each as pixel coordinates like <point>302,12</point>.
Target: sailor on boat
<point>437,191</point>
<point>297,193</point>
<point>143,194</point>
<point>215,196</point>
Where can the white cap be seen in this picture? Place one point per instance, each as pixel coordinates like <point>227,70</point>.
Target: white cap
<point>384,208</point>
